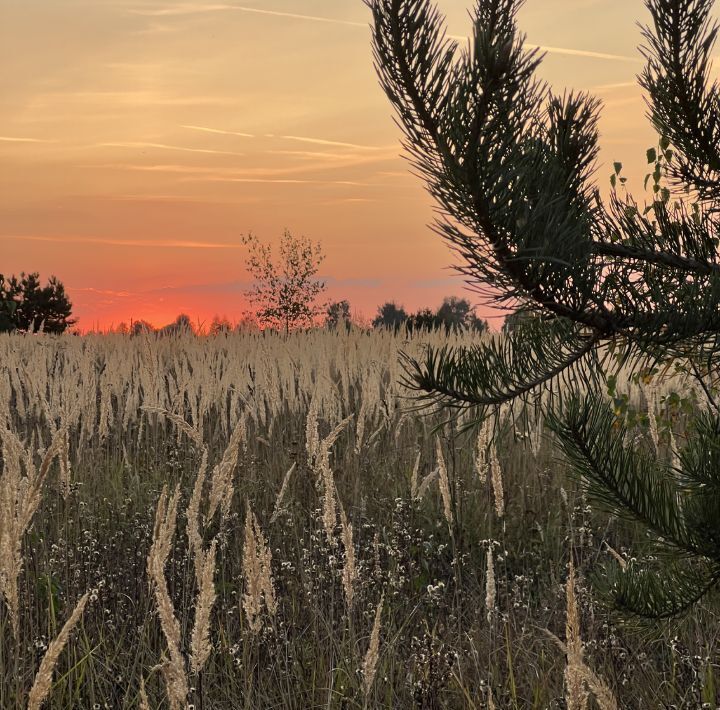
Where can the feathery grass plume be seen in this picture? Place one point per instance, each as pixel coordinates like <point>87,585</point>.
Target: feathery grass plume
<point>444,484</point>
<point>497,482</point>
<point>19,499</point>
<point>369,668</point>
<point>425,483</point>
<point>360,426</point>
<point>200,646</point>
<point>490,586</point>
<point>193,433</point>
<point>618,557</point>
<point>312,437</point>
<point>349,573</point>
<point>221,485</point>
<point>257,561</point>
<point>43,678</point>
<point>144,702</point>
<point>651,399</point>
<point>173,669</point>
<point>326,480</point>
<point>481,449</point>
<point>192,513</point>
<point>576,695</point>
<point>414,477</point>
<point>278,508</point>
<point>490,701</point>
<point>580,680</point>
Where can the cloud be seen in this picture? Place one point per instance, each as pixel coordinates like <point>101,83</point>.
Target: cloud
<point>163,146</point>
<point>614,87</point>
<point>276,181</point>
<point>194,9</point>
<point>217,130</point>
<point>568,51</point>
<point>110,241</point>
<point>583,53</point>
<point>323,141</point>
<point>14,139</point>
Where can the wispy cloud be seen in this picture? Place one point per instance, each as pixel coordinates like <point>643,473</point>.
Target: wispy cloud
<point>199,8</point>
<point>275,181</point>
<point>163,146</point>
<point>569,51</point>
<point>583,53</point>
<point>323,141</point>
<point>217,130</point>
<point>614,87</point>
<point>15,139</point>
<point>110,241</point>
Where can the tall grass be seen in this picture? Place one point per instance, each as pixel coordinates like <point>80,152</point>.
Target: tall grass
<point>262,522</point>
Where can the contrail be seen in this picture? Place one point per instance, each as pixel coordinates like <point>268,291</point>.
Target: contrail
<point>163,146</point>
<point>216,130</point>
<point>153,243</point>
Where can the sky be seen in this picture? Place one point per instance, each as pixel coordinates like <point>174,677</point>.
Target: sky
<point>140,139</point>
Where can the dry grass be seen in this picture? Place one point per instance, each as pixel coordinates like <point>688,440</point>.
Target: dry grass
<point>215,469</point>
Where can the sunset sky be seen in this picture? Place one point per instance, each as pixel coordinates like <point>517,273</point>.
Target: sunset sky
<point>139,139</point>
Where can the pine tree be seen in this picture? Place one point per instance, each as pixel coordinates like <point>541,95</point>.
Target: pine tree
<point>604,283</point>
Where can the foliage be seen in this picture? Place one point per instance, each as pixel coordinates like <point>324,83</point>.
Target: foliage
<point>611,282</point>
<point>285,292</point>
<point>337,314</point>
<point>27,306</point>
<point>390,315</point>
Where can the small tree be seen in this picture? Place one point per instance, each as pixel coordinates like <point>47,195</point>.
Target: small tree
<point>390,315</point>
<point>510,164</point>
<point>220,326</point>
<point>424,319</point>
<point>141,327</point>
<point>27,306</point>
<point>337,314</point>
<point>284,293</point>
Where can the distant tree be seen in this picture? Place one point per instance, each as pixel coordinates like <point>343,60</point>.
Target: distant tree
<point>454,313</point>
<point>424,319</point>
<point>219,326</point>
<point>284,292</point>
<point>180,326</point>
<point>390,315</point>
<point>337,314</point>
<point>247,324</point>
<point>35,306</point>
<point>121,328</point>
<point>477,324</point>
<point>141,327</point>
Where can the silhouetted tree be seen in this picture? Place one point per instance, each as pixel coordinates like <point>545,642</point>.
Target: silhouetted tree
<point>141,327</point>
<point>390,315</point>
<point>35,306</point>
<point>454,313</point>
<point>338,314</point>
<point>284,292</point>
<point>615,283</point>
<point>219,326</point>
<point>424,319</point>
<point>182,325</point>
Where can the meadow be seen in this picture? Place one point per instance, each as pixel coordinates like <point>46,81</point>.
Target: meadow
<point>253,521</point>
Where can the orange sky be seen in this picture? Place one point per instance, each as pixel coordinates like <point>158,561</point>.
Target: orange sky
<point>139,139</point>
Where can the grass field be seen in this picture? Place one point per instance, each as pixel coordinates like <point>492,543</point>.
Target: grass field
<point>268,523</point>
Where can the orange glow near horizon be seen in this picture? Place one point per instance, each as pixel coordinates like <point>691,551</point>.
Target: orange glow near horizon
<point>139,139</point>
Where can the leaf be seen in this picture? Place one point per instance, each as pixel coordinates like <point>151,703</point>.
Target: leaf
<point>613,179</point>
<point>618,168</point>
<point>651,155</point>
<point>664,143</point>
